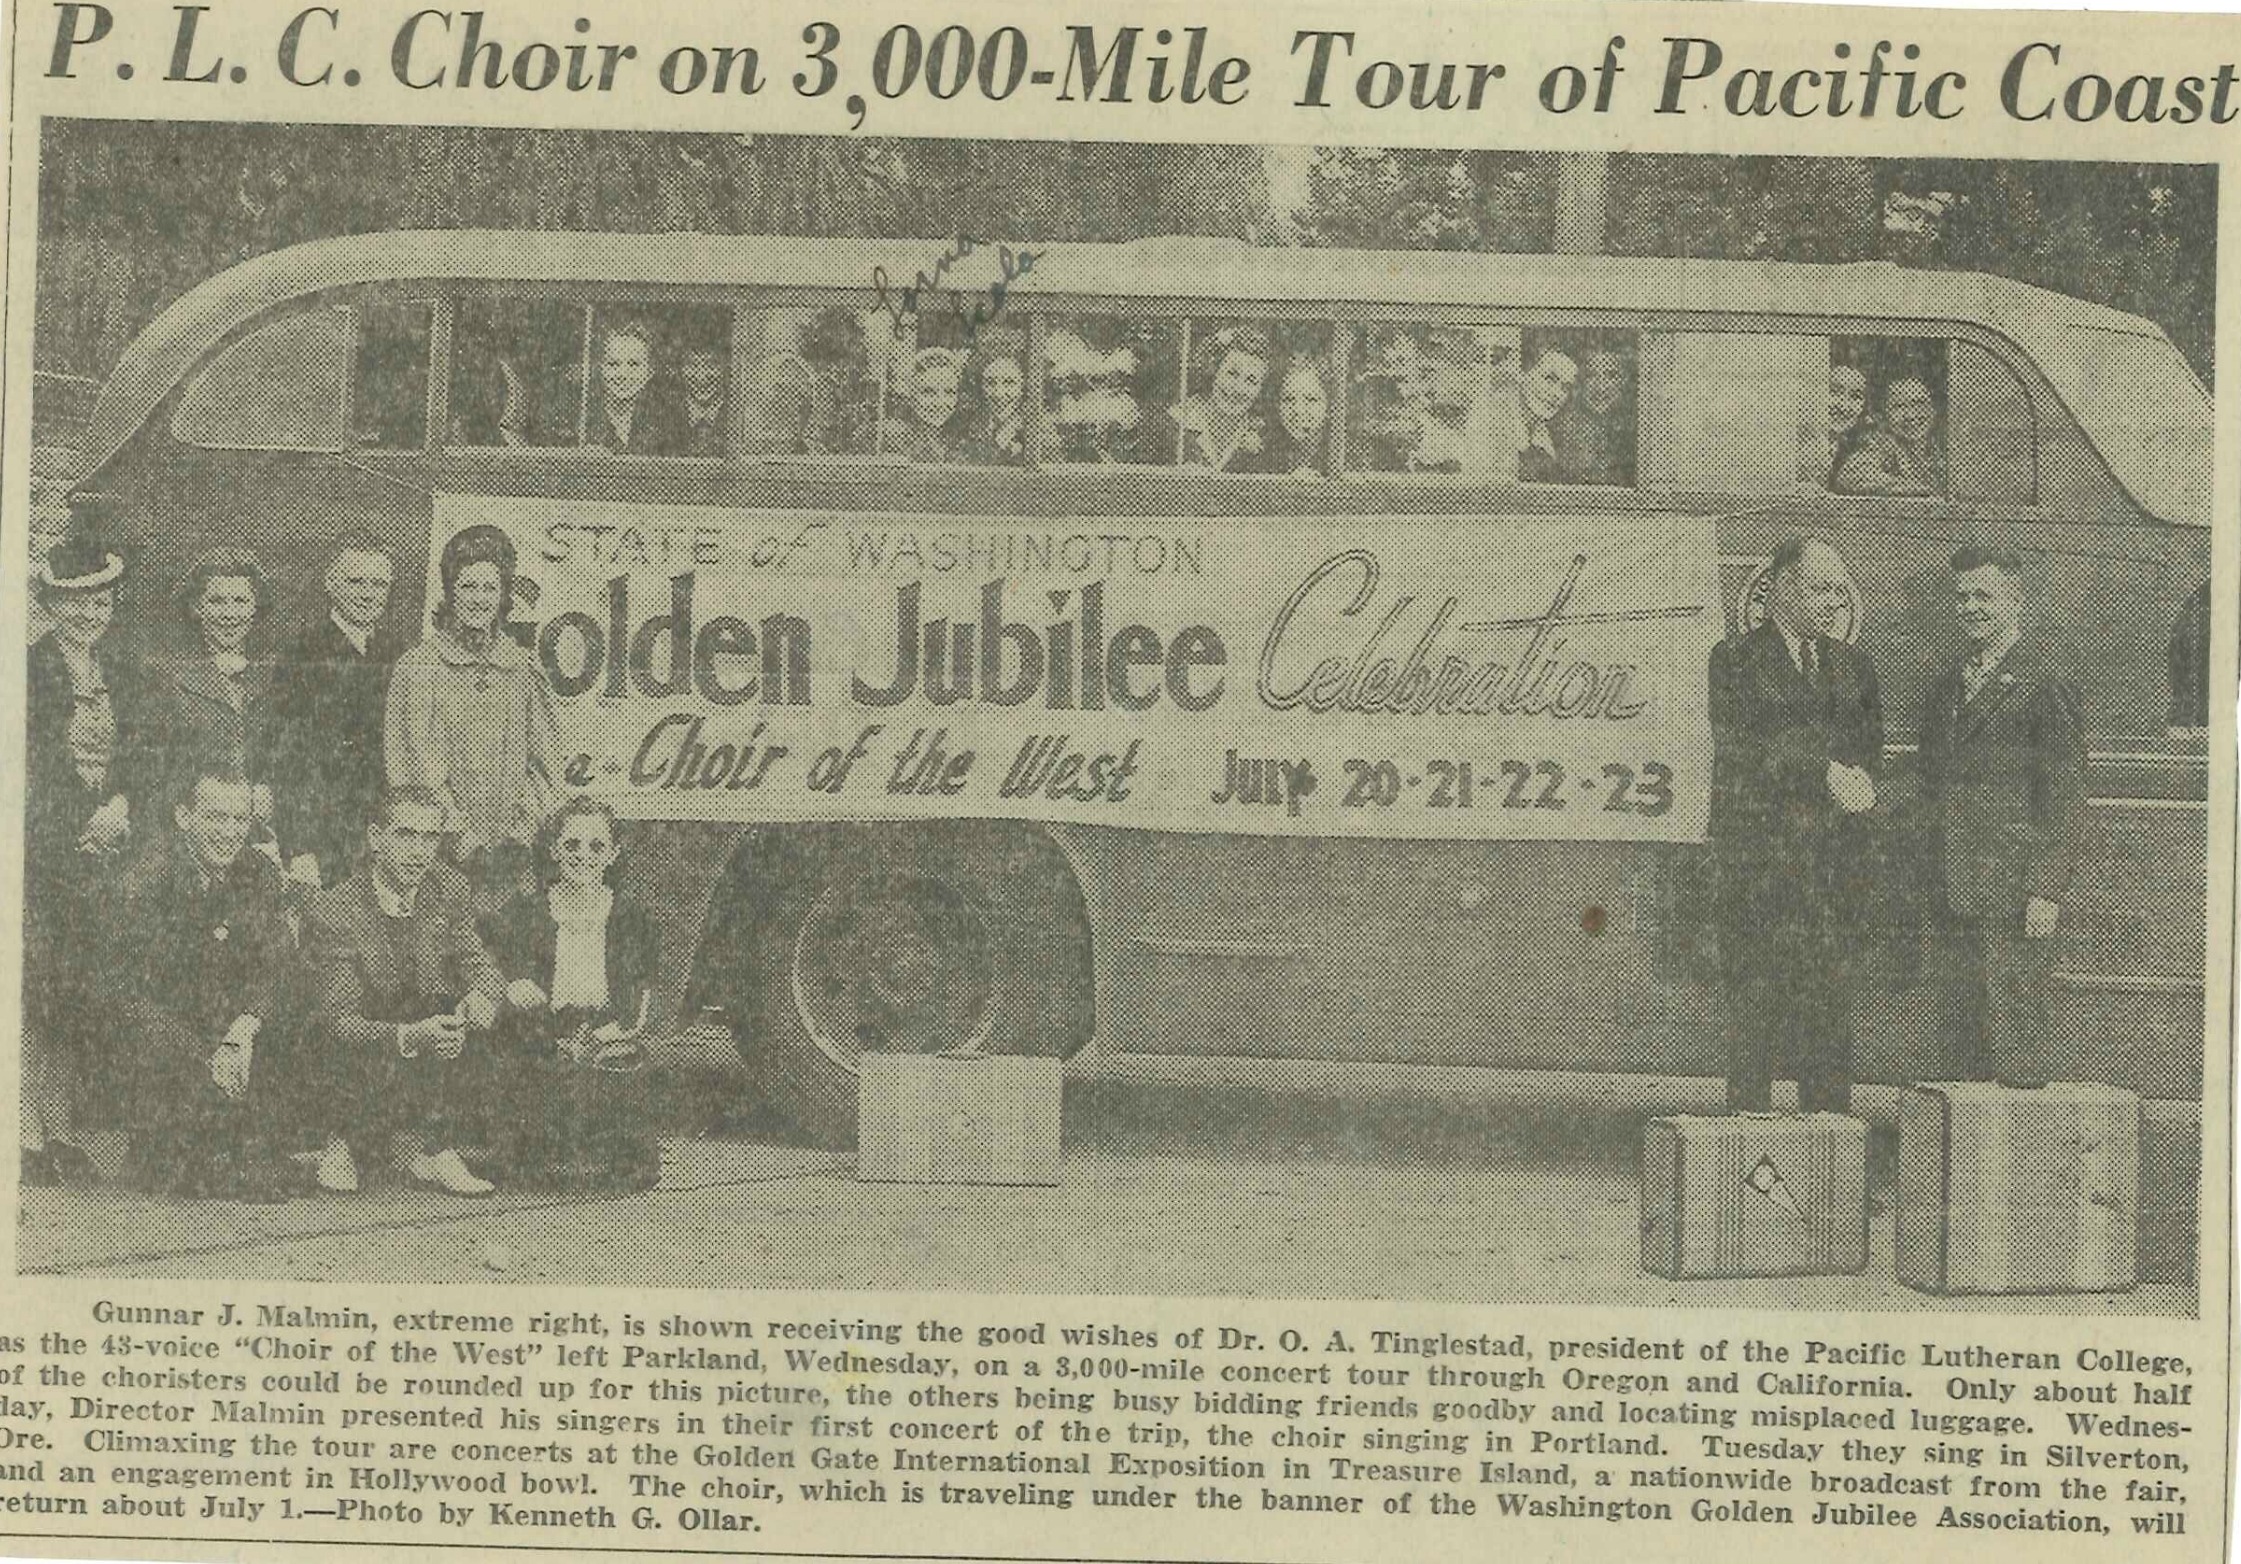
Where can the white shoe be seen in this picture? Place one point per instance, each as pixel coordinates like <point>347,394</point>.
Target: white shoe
<point>446,1172</point>
<point>337,1172</point>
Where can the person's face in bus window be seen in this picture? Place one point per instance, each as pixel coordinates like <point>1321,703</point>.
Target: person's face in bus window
<point>1910,410</point>
<point>358,587</point>
<point>1548,385</point>
<point>1302,407</point>
<point>704,375</point>
<point>1809,596</point>
<point>215,821</point>
<point>1848,397</point>
<point>625,365</point>
<point>1238,382</point>
<point>475,595</point>
<point>583,850</point>
<point>225,611</point>
<point>933,394</point>
<point>1002,382</point>
<point>82,618</point>
<point>1988,603</point>
<point>1602,381</point>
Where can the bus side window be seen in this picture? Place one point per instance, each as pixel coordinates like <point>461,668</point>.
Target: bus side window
<point>1435,400</point>
<point>516,372</point>
<point>659,381</point>
<point>1734,411</point>
<point>1992,436</point>
<point>1899,442</point>
<point>280,388</point>
<point>807,386</point>
<point>389,392</point>
<point>946,398</point>
<point>1501,404</point>
<point>1110,386</point>
<point>1258,399</point>
<point>2190,663</point>
<point>1581,406</point>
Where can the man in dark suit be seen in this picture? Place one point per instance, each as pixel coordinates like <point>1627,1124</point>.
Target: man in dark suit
<point>2003,793</point>
<point>330,698</point>
<point>199,950</point>
<point>403,981</point>
<point>1797,733</point>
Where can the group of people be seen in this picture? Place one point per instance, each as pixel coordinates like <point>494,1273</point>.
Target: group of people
<point>1263,405</point>
<point>1262,408</point>
<point>326,907</point>
<point>1558,409</point>
<point>636,406</point>
<point>1890,441</point>
<point>333,902</point>
<point>1797,728</point>
<point>942,425</point>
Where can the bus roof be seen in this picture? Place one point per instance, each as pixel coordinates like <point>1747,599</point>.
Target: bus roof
<point>2060,334</point>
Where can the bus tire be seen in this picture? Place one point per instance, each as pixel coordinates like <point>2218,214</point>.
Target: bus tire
<point>829,941</point>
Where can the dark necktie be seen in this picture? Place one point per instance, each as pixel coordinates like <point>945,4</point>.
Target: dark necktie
<point>1809,663</point>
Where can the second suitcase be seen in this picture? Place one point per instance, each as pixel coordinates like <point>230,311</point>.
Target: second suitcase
<point>1755,1194</point>
<point>2018,1189</point>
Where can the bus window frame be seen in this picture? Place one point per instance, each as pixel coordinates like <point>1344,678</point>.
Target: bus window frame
<point>2034,425</point>
<point>298,309</point>
<point>356,302</point>
<point>1348,318</point>
<point>589,299</point>
<point>1437,493</point>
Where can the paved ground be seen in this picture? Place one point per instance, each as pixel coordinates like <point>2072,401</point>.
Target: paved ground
<point>1184,1177</point>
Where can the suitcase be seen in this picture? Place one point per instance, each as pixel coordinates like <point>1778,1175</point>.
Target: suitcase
<point>1755,1194</point>
<point>2018,1189</point>
<point>923,1119</point>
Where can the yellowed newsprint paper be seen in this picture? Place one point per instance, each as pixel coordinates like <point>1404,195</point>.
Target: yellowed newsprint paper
<point>1227,785</point>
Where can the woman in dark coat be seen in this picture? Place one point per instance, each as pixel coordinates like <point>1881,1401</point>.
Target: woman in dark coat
<point>80,748</point>
<point>579,961</point>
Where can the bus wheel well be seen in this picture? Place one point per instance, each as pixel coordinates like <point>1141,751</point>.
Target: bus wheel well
<point>826,941</point>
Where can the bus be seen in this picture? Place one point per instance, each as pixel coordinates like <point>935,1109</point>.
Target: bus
<point>1185,647</point>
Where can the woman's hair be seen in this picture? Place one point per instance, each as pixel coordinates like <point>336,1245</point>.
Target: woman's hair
<point>1303,364</point>
<point>482,544</point>
<point>937,358</point>
<point>549,834</point>
<point>629,326</point>
<point>1221,343</point>
<point>215,565</point>
<point>982,362</point>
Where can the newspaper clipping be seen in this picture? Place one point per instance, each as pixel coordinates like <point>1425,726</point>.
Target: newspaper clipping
<point>1302,784</point>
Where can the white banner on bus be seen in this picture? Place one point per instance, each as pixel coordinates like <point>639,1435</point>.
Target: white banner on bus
<point>1484,677</point>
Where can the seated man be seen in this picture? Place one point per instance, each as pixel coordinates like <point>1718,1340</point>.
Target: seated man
<point>198,950</point>
<point>403,979</point>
